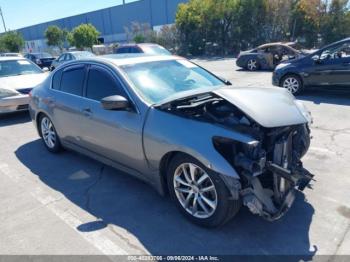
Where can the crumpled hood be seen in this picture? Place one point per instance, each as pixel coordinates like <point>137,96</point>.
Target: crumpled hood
<point>22,81</point>
<point>269,107</point>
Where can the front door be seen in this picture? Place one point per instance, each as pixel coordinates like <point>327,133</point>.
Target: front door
<point>115,135</point>
<point>333,67</point>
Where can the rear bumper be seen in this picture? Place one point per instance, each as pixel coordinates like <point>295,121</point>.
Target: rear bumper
<point>14,103</point>
<point>275,79</point>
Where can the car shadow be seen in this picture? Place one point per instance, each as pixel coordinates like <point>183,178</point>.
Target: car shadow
<point>14,118</point>
<point>115,198</point>
<point>257,71</point>
<point>326,96</point>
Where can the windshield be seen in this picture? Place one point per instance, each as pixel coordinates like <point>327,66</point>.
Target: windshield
<point>155,50</point>
<point>82,55</point>
<point>18,67</point>
<point>156,81</point>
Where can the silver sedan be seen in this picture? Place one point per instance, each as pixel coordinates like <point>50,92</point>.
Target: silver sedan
<point>183,130</point>
<point>18,76</point>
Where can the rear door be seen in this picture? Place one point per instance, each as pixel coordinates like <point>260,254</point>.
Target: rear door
<point>67,114</point>
<point>115,135</point>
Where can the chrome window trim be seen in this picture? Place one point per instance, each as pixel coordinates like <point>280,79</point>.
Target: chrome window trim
<point>115,73</point>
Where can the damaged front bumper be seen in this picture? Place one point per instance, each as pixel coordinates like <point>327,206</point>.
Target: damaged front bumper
<point>260,200</point>
<point>272,179</point>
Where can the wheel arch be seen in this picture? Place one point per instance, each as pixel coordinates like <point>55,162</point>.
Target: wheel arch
<point>232,182</point>
<point>37,119</point>
<point>163,165</point>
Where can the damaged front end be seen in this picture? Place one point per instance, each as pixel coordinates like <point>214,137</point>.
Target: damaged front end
<point>270,169</point>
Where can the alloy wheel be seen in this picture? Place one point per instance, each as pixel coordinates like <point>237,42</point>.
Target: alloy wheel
<point>252,65</point>
<point>195,190</point>
<point>291,84</point>
<point>48,132</point>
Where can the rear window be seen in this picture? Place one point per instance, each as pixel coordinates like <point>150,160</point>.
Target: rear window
<point>155,50</point>
<point>122,50</point>
<point>72,80</point>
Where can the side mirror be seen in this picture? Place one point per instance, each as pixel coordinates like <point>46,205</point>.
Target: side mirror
<point>226,82</point>
<point>115,103</point>
<point>317,59</point>
<point>46,69</point>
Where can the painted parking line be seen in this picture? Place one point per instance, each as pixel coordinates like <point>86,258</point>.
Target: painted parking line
<point>99,241</point>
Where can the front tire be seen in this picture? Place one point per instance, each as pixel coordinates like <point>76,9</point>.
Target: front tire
<point>199,193</point>
<point>293,84</point>
<point>252,65</point>
<point>49,135</point>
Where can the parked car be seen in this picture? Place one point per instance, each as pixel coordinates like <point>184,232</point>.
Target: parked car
<point>70,56</point>
<point>11,54</point>
<point>41,59</point>
<point>329,66</point>
<point>17,78</point>
<point>150,49</point>
<point>178,127</point>
<point>268,56</point>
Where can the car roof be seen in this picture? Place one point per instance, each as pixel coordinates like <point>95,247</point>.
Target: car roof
<point>288,44</point>
<point>122,60</point>
<point>11,58</point>
<point>140,44</point>
<point>75,52</point>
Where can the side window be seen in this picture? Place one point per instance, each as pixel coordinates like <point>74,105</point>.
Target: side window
<point>73,79</point>
<point>61,58</point>
<point>68,57</point>
<point>56,80</point>
<point>101,84</point>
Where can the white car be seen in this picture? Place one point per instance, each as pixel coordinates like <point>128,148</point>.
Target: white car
<point>18,76</point>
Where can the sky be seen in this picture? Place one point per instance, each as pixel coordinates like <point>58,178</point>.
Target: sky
<point>22,13</point>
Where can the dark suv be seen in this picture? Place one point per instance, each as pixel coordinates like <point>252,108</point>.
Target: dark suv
<point>329,66</point>
<point>41,59</point>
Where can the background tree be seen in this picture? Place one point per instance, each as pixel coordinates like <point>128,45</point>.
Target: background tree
<point>336,24</point>
<point>234,25</point>
<point>84,35</point>
<point>56,36</point>
<point>307,21</point>
<point>11,41</point>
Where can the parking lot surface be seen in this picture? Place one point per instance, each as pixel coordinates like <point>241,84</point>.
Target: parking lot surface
<point>70,204</point>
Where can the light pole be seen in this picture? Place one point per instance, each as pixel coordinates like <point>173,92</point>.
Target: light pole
<point>3,20</point>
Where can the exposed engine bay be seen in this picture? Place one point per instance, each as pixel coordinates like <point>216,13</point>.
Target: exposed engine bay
<point>270,170</point>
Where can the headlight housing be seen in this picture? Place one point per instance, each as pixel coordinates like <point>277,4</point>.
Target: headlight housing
<point>283,65</point>
<point>7,92</point>
<point>305,112</point>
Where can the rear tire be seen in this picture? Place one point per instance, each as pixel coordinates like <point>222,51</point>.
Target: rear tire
<point>49,135</point>
<point>199,193</point>
<point>293,84</point>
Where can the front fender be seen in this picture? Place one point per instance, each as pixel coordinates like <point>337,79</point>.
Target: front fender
<point>166,132</point>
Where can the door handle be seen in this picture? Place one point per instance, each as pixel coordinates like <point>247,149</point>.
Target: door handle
<point>87,112</point>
